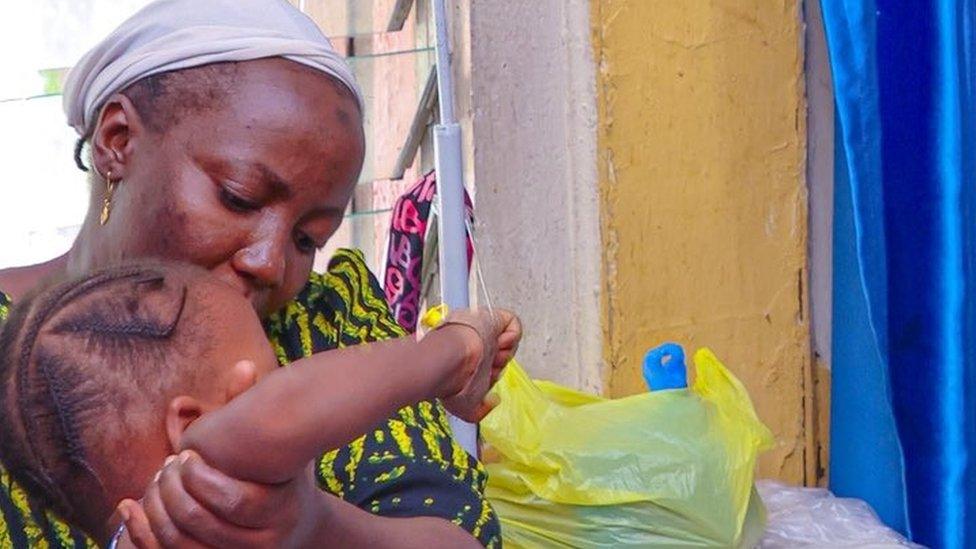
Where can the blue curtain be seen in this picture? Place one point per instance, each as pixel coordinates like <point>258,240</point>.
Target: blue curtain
<point>903,424</point>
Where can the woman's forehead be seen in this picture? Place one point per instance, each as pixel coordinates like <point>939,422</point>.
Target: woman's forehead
<point>241,95</point>
<point>279,104</point>
<point>273,120</point>
<point>283,83</point>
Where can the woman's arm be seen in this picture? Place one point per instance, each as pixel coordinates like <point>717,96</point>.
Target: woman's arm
<point>270,432</point>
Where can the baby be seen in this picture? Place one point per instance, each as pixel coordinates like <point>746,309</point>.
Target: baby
<point>106,375</point>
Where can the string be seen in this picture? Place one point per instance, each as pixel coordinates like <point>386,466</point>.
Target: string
<point>477,268</point>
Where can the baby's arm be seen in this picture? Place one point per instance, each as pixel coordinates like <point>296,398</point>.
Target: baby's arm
<point>270,432</point>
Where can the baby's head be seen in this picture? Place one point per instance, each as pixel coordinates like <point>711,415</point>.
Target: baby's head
<point>102,374</point>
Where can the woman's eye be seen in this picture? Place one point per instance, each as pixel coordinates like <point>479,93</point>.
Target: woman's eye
<point>236,202</point>
<point>305,244</point>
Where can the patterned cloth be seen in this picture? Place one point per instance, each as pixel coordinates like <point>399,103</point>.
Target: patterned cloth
<point>405,466</point>
<point>409,226</point>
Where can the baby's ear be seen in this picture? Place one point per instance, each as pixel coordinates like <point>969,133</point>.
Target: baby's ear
<point>242,377</point>
<point>181,412</point>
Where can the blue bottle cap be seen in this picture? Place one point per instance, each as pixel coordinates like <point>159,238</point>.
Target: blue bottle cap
<point>664,368</point>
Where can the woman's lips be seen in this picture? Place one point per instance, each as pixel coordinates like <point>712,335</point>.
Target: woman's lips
<point>257,296</point>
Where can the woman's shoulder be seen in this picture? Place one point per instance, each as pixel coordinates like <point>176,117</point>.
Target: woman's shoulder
<point>347,288</point>
<point>18,281</point>
<point>347,269</point>
<point>341,307</point>
<point>13,281</point>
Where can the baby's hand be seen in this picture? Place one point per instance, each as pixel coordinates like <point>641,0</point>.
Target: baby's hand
<point>493,339</point>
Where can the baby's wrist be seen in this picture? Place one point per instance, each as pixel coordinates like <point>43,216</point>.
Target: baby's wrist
<point>466,349</point>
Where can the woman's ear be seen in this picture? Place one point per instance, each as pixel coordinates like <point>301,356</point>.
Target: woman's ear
<point>181,412</point>
<point>112,142</point>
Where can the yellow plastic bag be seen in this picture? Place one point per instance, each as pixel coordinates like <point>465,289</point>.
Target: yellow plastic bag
<point>669,468</point>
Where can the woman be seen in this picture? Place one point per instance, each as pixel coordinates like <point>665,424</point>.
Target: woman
<point>228,133</point>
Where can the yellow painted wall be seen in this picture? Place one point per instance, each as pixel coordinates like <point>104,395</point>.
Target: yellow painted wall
<point>703,201</point>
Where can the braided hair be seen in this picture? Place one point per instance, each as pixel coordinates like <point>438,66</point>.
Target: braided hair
<point>74,357</point>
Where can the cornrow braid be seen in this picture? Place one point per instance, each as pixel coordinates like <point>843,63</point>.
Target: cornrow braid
<point>50,393</point>
<point>65,404</point>
<point>139,328</point>
<point>61,296</point>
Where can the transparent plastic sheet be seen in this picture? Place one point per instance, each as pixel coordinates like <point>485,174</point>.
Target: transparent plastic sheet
<point>815,518</point>
<point>669,468</point>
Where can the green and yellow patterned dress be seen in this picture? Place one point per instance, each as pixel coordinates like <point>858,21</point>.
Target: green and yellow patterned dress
<point>405,466</point>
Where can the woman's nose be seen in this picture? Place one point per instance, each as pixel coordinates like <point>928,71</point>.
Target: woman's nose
<point>262,262</point>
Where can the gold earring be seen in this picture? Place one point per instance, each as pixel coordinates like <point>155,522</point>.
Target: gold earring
<point>107,200</point>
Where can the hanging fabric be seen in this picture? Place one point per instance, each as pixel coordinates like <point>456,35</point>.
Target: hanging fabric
<point>412,224</point>
<point>903,433</point>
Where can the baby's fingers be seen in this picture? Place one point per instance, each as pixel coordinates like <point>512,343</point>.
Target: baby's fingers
<point>509,340</point>
<point>502,358</point>
<point>485,408</point>
<point>511,334</point>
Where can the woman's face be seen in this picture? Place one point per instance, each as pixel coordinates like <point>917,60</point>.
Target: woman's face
<point>248,188</point>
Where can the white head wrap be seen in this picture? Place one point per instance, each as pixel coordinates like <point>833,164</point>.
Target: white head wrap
<point>169,35</point>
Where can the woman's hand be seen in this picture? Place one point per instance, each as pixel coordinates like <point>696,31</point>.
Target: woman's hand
<point>318,519</point>
<point>493,339</point>
<point>191,504</point>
